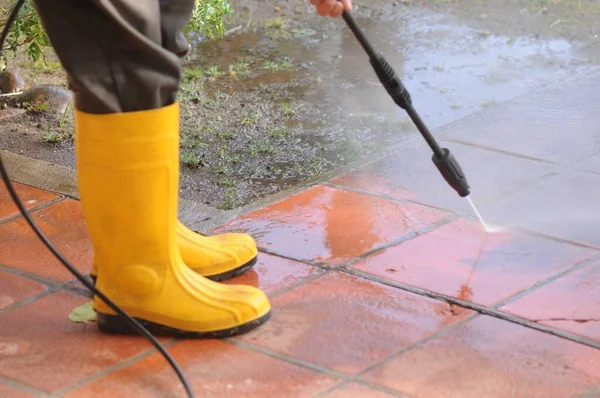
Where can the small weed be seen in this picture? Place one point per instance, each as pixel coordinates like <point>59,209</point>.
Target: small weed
<point>51,136</point>
<point>227,182</point>
<point>249,120</point>
<point>191,159</point>
<point>258,171</point>
<point>193,142</point>
<point>214,71</point>
<point>226,136</point>
<point>229,199</point>
<point>192,73</point>
<point>316,167</point>
<point>277,66</point>
<point>288,110</point>
<point>262,147</point>
<point>278,131</point>
<point>191,93</point>
<point>239,68</point>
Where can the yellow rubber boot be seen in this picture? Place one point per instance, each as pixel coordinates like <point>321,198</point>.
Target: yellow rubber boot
<point>128,173</point>
<point>218,257</point>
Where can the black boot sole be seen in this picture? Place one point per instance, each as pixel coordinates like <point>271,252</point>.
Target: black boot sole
<point>114,324</point>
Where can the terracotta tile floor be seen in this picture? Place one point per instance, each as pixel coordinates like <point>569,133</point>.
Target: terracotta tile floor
<point>367,294</point>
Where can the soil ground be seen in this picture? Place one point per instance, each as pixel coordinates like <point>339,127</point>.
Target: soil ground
<point>287,95</point>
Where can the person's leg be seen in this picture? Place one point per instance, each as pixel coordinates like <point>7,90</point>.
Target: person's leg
<point>127,152</point>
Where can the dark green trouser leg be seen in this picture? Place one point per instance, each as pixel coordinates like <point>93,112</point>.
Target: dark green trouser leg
<point>119,55</point>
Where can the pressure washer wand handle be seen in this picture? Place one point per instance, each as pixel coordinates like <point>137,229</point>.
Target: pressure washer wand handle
<point>442,158</point>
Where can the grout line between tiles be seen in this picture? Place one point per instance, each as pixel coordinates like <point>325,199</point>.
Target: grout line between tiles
<point>575,268</point>
<point>111,369</point>
<point>289,359</point>
<point>17,385</point>
<point>334,387</point>
<point>300,283</point>
<point>381,388</point>
<point>377,387</point>
<point>33,210</point>
<point>496,150</point>
<point>406,238</point>
<point>29,300</point>
<point>490,311</point>
<point>419,343</point>
<point>28,275</point>
<point>592,393</point>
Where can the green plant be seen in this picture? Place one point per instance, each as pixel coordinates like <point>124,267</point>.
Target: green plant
<point>27,32</point>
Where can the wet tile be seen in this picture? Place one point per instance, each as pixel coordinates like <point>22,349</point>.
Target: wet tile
<point>410,174</point>
<point>565,206</point>
<point>30,197</point>
<point>493,359</point>
<point>40,347</point>
<point>9,392</point>
<point>559,123</point>
<point>347,323</point>
<point>272,274</point>
<point>461,260</point>
<point>356,390</point>
<point>571,303</point>
<point>332,226</point>
<point>64,225</point>
<point>215,369</point>
<point>14,288</point>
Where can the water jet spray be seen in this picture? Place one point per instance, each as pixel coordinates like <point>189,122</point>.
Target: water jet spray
<point>442,157</point>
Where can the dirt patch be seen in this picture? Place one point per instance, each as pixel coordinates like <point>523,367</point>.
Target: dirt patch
<point>288,96</point>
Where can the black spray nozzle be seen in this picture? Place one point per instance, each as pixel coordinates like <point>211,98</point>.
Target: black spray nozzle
<point>452,172</point>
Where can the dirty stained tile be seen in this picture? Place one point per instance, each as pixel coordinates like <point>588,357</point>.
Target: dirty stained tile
<point>570,303</point>
<point>331,225</point>
<point>492,358</point>
<point>214,369</point>
<point>10,392</point>
<point>64,225</point>
<point>347,323</point>
<point>460,259</point>
<point>40,347</point>
<point>31,197</point>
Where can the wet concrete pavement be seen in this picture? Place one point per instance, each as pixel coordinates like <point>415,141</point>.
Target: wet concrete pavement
<point>383,283</point>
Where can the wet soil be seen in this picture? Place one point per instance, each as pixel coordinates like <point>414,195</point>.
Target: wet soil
<point>287,95</point>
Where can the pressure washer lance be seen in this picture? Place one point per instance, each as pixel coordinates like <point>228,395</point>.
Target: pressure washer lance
<point>442,158</point>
